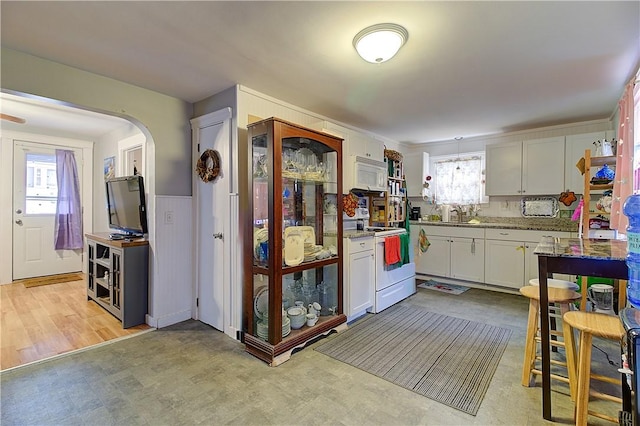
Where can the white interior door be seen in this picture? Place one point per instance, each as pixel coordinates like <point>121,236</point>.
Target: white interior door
<point>212,231</point>
<point>35,193</point>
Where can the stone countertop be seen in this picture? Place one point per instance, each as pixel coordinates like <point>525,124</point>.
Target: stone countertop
<point>582,248</point>
<point>353,234</point>
<point>527,224</point>
<point>530,224</point>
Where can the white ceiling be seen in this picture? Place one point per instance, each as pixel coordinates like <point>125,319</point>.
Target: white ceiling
<point>468,68</point>
<point>57,119</point>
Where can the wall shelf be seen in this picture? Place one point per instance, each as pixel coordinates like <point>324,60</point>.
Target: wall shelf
<point>589,163</point>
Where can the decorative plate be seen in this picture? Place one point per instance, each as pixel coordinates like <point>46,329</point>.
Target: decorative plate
<point>293,249</point>
<point>261,302</point>
<point>308,233</point>
<point>260,235</point>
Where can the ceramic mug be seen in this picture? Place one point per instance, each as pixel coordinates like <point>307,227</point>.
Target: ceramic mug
<point>312,319</point>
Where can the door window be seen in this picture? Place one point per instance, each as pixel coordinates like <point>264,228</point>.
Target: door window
<point>41,192</point>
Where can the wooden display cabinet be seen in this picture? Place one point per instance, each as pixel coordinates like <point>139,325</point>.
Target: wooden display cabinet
<point>293,237</point>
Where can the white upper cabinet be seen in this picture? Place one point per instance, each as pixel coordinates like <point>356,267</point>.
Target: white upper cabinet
<point>504,169</point>
<point>416,168</point>
<point>356,143</point>
<point>575,145</point>
<point>533,167</point>
<point>543,166</point>
<point>366,146</point>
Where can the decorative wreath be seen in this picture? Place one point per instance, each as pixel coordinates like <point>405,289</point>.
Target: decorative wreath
<point>206,173</point>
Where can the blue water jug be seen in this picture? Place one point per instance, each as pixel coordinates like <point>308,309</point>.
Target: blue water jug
<point>631,209</point>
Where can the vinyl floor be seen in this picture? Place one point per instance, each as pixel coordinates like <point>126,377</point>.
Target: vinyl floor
<point>190,374</point>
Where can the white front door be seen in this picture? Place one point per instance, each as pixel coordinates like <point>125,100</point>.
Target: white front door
<point>212,230</point>
<point>35,193</point>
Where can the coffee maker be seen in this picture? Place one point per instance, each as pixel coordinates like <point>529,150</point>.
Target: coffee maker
<point>415,213</point>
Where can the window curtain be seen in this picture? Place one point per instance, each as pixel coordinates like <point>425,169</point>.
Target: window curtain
<point>459,181</point>
<point>623,183</point>
<point>68,222</point>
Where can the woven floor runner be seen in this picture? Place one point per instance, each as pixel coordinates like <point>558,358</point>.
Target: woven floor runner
<point>449,360</point>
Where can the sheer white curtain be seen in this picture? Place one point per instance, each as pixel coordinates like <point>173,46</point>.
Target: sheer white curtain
<point>459,181</point>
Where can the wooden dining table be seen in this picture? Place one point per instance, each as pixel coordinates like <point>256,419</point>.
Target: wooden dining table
<point>575,256</point>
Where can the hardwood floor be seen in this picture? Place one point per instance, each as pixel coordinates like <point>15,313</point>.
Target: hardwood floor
<point>40,322</point>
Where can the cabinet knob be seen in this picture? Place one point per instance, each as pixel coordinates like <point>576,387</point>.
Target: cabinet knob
<point>218,236</point>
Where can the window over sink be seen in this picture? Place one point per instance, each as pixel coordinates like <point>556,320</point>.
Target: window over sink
<point>459,179</point>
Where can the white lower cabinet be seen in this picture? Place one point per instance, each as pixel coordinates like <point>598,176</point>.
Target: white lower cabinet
<point>454,252</point>
<point>509,260</point>
<point>436,260</point>
<point>359,276</point>
<point>467,258</point>
<point>504,263</point>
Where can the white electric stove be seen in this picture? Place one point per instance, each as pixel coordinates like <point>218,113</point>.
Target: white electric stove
<point>393,283</point>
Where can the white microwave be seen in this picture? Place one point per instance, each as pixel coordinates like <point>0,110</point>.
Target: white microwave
<point>364,173</point>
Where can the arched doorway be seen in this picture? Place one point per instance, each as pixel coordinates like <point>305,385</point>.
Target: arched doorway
<point>49,123</point>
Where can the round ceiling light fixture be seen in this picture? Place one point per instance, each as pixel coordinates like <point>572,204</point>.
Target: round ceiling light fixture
<point>379,43</point>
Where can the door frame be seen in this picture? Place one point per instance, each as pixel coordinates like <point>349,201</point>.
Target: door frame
<point>126,146</point>
<point>7,142</point>
<point>232,302</point>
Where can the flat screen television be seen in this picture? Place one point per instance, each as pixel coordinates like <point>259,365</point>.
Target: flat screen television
<point>126,206</point>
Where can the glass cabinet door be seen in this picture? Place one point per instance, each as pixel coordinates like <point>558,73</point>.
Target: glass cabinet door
<point>296,266</point>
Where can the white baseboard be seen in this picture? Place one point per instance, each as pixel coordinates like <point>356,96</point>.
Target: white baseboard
<point>170,319</point>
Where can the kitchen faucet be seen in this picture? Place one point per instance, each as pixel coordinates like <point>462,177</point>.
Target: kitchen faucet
<point>460,211</point>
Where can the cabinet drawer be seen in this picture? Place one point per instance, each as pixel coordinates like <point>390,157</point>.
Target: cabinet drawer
<point>360,244</point>
<point>522,235</point>
<point>454,231</point>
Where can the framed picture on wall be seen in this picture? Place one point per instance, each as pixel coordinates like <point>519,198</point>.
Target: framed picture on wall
<point>109,167</point>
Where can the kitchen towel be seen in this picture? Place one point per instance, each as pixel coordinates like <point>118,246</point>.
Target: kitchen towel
<point>404,249</point>
<point>391,250</point>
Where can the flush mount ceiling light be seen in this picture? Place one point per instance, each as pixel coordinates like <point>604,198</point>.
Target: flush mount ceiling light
<point>379,43</point>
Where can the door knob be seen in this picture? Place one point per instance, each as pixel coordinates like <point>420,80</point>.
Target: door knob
<point>19,221</point>
<point>218,236</point>
<point>19,211</point>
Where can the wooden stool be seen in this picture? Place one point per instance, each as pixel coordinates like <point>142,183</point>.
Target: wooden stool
<point>590,324</point>
<point>562,298</point>
<point>556,283</point>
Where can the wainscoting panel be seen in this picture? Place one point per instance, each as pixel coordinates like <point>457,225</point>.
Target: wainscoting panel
<point>171,294</point>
